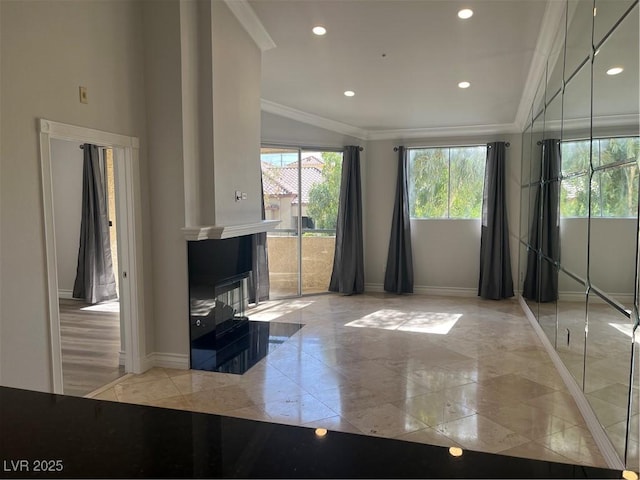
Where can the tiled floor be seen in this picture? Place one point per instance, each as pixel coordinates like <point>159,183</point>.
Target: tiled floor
<point>439,370</point>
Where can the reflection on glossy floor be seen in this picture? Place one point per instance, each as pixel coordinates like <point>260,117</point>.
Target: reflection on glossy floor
<point>438,370</point>
<point>605,372</point>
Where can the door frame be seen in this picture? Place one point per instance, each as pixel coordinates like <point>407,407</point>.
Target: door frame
<point>300,149</point>
<point>128,212</point>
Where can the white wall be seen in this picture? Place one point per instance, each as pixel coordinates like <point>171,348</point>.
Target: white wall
<point>236,119</point>
<point>50,48</point>
<point>612,254</point>
<point>167,193</point>
<point>203,114</point>
<point>445,252</point>
<point>66,173</point>
<point>279,130</point>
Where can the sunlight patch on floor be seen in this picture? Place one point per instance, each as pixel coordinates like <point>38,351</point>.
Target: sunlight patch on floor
<point>112,307</point>
<point>276,309</point>
<point>625,328</point>
<point>407,321</point>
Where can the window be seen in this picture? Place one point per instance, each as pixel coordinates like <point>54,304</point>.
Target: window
<point>614,185</point>
<point>446,182</point>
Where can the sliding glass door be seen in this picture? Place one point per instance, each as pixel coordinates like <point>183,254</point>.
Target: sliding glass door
<point>301,190</point>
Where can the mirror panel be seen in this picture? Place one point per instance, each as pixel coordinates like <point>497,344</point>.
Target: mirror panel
<point>576,120</point>
<point>614,184</point>
<point>612,253</point>
<point>616,97</point>
<point>596,118</point>
<point>522,262</point>
<point>578,47</point>
<point>574,225</point>
<point>555,63</point>
<point>607,362</point>
<point>526,157</point>
<point>537,135</point>
<point>547,314</point>
<point>606,14</point>
<point>571,326</point>
<point>538,104</point>
<point>619,150</point>
<point>524,214</point>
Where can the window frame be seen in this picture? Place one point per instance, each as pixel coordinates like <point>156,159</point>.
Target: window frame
<point>592,171</point>
<point>449,149</point>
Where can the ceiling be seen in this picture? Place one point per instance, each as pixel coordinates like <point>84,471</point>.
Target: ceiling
<point>404,60</point>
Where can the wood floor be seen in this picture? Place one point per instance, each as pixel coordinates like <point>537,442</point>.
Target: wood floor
<point>90,346</point>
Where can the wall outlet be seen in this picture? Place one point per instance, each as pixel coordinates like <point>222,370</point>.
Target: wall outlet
<point>83,95</point>
<point>238,195</point>
<point>244,195</point>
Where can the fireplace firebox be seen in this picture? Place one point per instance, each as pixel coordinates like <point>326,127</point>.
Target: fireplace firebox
<point>222,338</point>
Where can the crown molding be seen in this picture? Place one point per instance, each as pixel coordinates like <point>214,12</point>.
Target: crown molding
<point>311,119</point>
<point>630,121</point>
<point>251,23</point>
<point>457,131</point>
<point>551,22</point>
<point>401,133</point>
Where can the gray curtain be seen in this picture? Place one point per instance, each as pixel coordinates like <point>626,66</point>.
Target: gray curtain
<point>258,284</point>
<point>348,262</point>
<point>398,277</point>
<point>495,281</point>
<point>95,281</point>
<point>541,279</point>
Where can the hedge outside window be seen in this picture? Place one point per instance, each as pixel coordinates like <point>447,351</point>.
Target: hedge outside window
<point>614,185</point>
<point>446,182</point>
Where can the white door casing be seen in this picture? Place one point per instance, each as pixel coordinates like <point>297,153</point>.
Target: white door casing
<point>128,206</point>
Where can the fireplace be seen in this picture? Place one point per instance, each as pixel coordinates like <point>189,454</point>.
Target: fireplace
<point>222,337</point>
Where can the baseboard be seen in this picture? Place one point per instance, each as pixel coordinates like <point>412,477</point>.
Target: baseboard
<point>622,298</point>
<point>167,360</point>
<point>593,424</point>
<point>425,290</point>
<point>65,294</point>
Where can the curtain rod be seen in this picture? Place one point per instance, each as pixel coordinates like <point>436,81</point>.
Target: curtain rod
<point>99,146</point>
<point>395,149</point>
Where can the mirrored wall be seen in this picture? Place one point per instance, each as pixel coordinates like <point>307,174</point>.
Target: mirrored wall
<point>579,210</point>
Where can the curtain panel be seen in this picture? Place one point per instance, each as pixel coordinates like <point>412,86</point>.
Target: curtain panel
<point>398,277</point>
<point>496,281</point>
<point>347,276</point>
<point>541,278</point>
<point>95,280</point>
<point>258,284</point>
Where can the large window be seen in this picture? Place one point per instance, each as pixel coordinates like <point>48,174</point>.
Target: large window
<point>446,182</point>
<point>614,185</point>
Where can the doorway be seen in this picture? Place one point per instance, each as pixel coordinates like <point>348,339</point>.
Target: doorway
<point>302,190</point>
<point>124,318</point>
<point>90,333</point>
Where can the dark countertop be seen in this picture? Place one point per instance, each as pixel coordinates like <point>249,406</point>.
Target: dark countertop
<point>99,439</point>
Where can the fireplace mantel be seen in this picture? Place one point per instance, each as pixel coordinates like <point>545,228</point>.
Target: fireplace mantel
<point>218,232</point>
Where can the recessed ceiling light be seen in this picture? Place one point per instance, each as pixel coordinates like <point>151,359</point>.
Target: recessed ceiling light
<point>455,451</point>
<point>349,93</point>
<point>464,85</point>
<point>465,13</point>
<point>319,30</point>
<point>615,70</point>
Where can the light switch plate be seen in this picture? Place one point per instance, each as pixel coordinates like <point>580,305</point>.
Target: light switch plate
<point>83,95</point>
